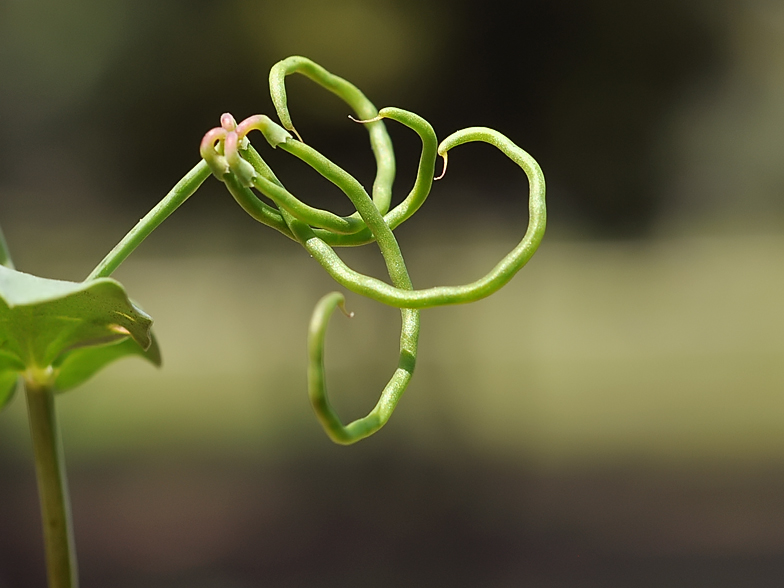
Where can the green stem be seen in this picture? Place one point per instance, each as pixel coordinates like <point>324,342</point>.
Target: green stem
<point>5,254</point>
<point>171,202</point>
<point>52,487</point>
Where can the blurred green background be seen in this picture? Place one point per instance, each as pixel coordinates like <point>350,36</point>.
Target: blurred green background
<point>612,417</point>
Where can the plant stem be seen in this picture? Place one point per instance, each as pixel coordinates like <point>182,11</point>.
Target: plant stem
<point>171,202</point>
<point>5,255</point>
<point>52,487</point>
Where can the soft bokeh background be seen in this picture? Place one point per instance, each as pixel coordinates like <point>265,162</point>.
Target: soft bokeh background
<point>613,417</point>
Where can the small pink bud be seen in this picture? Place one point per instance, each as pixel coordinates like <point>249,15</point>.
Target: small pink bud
<point>227,122</point>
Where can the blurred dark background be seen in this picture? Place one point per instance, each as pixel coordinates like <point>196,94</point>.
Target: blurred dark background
<point>613,417</point>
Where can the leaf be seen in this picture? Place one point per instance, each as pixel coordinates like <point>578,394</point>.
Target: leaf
<point>81,364</point>
<point>10,366</point>
<point>74,327</point>
<point>8,380</point>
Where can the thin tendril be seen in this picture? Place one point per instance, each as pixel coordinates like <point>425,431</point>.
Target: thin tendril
<point>443,169</point>
<point>380,142</point>
<point>444,295</point>
<point>342,231</point>
<point>409,334</point>
<point>232,160</point>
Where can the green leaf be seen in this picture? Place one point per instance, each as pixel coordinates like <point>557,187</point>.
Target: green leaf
<point>10,366</point>
<point>81,364</point>
<point>8,380</point>
<point>68,330</point>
